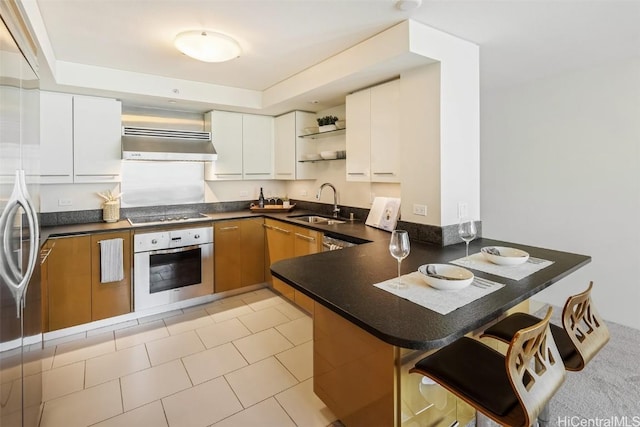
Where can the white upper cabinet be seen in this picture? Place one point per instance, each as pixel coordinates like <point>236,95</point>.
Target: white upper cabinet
<point>56,137</point>
<point>257,146</point>
<point>97,152</point>
<point>373,134</point>
<point>244,143</point>
<point>284,146</point>
<point>385,132</point>
<point>289,147</point>
<point>226,134</point>
<point>358,111</point>
<point>79,139</point>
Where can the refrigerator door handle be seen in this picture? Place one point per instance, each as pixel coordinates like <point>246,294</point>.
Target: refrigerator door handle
<point>10,272</point>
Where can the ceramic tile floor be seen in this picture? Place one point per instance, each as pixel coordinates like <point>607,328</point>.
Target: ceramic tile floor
<point>241,361</point>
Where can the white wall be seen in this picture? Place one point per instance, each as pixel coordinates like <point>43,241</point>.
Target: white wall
<point>560,168</point>
<point>440,128</point>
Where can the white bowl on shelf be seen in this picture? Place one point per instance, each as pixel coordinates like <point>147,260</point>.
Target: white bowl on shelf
<point>446,277</point>
<point>310,130</point>
<point>502,255</point>
<point>329,155</point>
<point>313,156</point>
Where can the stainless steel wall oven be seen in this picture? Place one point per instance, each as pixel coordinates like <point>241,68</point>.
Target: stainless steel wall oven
<point>172,265</point>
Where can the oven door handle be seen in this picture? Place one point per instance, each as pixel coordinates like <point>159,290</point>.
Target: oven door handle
<point>175,250</point>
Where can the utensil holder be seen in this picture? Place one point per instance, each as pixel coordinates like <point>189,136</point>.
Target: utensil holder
<point>111,211</point>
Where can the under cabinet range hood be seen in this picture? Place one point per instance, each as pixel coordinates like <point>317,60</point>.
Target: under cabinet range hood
<point>143,143</point>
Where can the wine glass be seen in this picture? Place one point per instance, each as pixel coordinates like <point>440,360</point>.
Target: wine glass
<point>399,248</point>
<point>467,232</point>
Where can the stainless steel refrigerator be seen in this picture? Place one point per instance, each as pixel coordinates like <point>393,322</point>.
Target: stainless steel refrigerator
<point>20,287</point>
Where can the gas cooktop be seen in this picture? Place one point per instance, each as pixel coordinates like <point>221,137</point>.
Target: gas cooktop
<point>165,219</point>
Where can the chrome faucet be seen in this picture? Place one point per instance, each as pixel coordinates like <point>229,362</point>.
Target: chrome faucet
<point>336,209</point>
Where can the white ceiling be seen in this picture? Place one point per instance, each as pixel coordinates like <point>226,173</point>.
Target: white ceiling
<point>519,40</point>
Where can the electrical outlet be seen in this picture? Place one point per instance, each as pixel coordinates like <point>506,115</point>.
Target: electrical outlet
<point>420,210</point>
<point>244,193</point>
<point>65,202</point>
<point>463,210</point>
<point>304,193</point>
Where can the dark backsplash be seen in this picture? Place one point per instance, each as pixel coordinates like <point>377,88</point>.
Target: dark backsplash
<point>432,234</point>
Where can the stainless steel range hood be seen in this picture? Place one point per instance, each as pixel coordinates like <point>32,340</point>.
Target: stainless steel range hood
<point>143,143</point>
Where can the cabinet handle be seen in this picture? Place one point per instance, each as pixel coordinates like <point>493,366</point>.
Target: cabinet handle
<point>232,227</point>
<point>284,173</point>
<point>273,227</point>
<point>384,173</point>
<point>44,254</point>
<point>257,173</point>
<point>356,173</point>
<point>308,238</point>
<point>105,177</point>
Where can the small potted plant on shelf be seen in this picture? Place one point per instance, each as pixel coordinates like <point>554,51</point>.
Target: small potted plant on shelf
<point>285,202</point>
<point>327,123</point>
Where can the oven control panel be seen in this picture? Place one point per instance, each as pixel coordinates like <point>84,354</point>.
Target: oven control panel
<point>145,242</point>
<point>191,236</point>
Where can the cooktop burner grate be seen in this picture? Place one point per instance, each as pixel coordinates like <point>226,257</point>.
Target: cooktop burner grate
<point>165,219</point>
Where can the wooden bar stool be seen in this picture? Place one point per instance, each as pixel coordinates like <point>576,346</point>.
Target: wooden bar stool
<point>583,334</point>
<point>511,389</point>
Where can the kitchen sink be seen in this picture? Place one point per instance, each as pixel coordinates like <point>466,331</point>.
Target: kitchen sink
<point>315,219</point>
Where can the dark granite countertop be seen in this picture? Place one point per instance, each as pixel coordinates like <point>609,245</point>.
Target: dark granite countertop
<point>354,231</point>
<point>345,286</point>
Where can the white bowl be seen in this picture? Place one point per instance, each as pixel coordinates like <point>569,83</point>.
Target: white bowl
<point>329,155</point>
<point>445,276</point>
<point>312,157</point>
<point>502,255</point>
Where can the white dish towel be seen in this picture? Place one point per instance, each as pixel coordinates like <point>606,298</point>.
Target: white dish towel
<point>111,260</point>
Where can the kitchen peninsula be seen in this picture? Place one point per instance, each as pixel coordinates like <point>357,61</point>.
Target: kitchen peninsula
<point>365,339</point>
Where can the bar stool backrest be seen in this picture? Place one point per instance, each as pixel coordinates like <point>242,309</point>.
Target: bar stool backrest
<point>534,367</point>
<point>584,326</point>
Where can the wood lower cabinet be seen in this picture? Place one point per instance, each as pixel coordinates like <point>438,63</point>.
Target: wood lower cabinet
<point>73,291</point>
<point>239,253</point>
<point>113,298</point>
<point>69,282</point>
<point>305,242</point>
<point>288,241</point>
<point>279,240</point>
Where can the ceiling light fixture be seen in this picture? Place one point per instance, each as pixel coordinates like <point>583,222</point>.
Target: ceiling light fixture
<point>207,46</point>
<point>408,5</point>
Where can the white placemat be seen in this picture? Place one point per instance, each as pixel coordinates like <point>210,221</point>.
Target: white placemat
<point>443,302</point>
<point>477,261</point>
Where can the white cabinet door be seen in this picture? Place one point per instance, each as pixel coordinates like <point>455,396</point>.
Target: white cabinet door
<point>97,154</point>
<point>257,147</point>
<point>56,137</point>
<point>284,146</point>
<point>385,130</point>
<point>226,134</point>
<point>305,170</point>
<point>289,148</point>
<point>358,110</point>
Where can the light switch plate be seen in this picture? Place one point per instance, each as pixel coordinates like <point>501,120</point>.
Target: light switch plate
<point>420,210</point>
